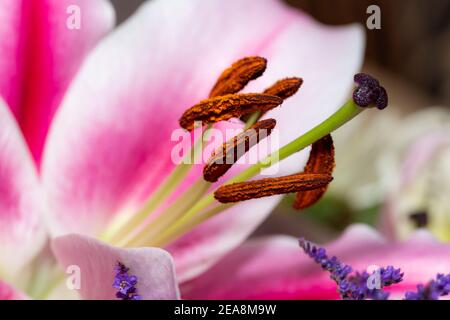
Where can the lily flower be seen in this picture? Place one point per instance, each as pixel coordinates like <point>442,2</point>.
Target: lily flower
<point>86,131</point>
<point>275,267</point>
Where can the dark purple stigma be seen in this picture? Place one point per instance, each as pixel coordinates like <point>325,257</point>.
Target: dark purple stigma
<point>125,283</point>
<point>369,92</point>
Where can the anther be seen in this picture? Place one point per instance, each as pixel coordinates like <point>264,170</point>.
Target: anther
<point>236,77</point>
<point>321,160</point>
<point>283,88</point>
<point>224,158</point>
<point>243,191</point>
<point>226,107</point>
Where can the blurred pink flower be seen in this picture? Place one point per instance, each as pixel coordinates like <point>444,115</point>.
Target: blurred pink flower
<point>276,267</point>
<point>98,122</point>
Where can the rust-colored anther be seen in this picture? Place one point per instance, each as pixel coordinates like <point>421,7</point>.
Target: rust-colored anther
<point>283,88</point>
<point>236,77</point>
<point>226,107</point>
<point>224,158</point>
<point>321,160</point>
<point>271,186</point>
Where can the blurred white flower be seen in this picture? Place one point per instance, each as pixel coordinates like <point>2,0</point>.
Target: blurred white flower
<point>400,161</point>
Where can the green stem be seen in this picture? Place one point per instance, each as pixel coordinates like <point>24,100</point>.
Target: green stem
<point>346,113</point>
<point>168,216</point>
<point>252,120</point>
<point>181,229</point>
<point>117,232</point>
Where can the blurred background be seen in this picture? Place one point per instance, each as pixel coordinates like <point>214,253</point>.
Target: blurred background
<point>410,54</point>
<point>413,41</point>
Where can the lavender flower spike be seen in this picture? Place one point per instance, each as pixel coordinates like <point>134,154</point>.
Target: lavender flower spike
<point>432,290</point>
<point>337,270</point>
<point>356,286</point>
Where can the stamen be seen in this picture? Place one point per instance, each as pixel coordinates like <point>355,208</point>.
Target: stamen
<point>369,92</point>
<point>321,160</point>
<point>224,158</point>
<point>236,77</point>
<point>284,89</point>
<point>226,107</point>
<point>125,283</point>
<point>243,191</point>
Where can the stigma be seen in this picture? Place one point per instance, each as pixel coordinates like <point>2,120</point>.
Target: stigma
<point>369,92</point>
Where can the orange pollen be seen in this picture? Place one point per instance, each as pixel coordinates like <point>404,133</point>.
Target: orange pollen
<point>242,191</point>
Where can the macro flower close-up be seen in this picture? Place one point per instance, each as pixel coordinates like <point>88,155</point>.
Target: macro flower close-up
<point>216,150</point>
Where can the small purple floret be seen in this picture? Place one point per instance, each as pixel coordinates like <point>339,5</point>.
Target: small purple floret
<point>369,92</point>
<point>125,283</point>
<point>390,276</point>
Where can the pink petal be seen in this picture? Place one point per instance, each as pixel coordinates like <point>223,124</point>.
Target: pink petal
<point>39,55</point>
<point>152,266</point>
<point>276,268</point>
<point>9,293</point>
<point>112,136</point>
<point>21,232</point>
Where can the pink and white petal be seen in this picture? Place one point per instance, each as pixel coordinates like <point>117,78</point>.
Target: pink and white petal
<point>152,266</point>
<point>21,232</point>
<point>9,293</point>
<point>276,268</point>
<point>40,52</point>
<point>209,242</point>
<point>112,137</point>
